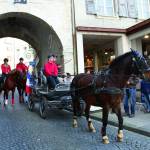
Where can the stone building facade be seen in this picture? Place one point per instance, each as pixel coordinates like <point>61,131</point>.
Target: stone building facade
<point>85,34</point>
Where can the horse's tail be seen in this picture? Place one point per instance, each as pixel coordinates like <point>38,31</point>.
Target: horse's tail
<point>72,89</point>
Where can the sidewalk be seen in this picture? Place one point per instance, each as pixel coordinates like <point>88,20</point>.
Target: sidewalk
<point>139,124</point>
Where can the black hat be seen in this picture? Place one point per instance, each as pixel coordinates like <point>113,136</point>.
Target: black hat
<point>54,55</point>
<point>68,74</point>
<point>5,59</point>
<point>21,59</point>
<point>49,56</point>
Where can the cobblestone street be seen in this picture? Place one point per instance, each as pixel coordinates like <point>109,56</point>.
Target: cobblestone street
<point>24,130</point>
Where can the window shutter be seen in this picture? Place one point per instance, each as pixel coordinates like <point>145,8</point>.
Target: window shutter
<point>132,9</point>
<point>123,9</point>
<point>90,7</point>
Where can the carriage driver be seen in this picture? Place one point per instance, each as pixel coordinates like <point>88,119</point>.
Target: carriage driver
<point>51,72</point>
<point>5,68</point>
<point>21,66</point>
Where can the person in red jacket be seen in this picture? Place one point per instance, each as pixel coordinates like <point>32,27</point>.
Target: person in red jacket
<point>21,66</point>
<point>5,68</point>
<point>51,72</point>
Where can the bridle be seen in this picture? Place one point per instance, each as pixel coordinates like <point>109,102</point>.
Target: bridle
<point>139,60</point>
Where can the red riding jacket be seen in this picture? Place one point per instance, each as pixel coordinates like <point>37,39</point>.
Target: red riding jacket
<point>5,69</point>
<point>50,69</point>
<point>21,67</point>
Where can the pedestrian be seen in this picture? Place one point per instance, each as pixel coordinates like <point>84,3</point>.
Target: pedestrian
<point>30,82</point>
<point>88,72</point>
<point>145,91</point>
<point>130,96</point>
<point>5,68</point>
<point>21,66</point>
<point>68,78</point>
<point>51,72</point>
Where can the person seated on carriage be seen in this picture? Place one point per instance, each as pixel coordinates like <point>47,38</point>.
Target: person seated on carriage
<point>68,78</point>
<point>30,82</point>
<point>5,68</point>
<point>130,96</point>
<point>51,72</point>
<point>21,66</point>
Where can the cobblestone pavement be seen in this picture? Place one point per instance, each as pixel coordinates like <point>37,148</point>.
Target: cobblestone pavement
<point>24,130</point>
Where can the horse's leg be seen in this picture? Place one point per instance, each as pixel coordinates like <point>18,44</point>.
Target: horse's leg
<point>19,91</point>
<point>5,98</point>
<point>105,139</point>
<point>75,106</point>
<point>87,114</point>
<point>12,99</point>
<point>120,120</point>
<point>22,92</point>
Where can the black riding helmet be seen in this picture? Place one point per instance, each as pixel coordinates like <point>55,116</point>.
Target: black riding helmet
<point>21,59</point>
<point>5,59</point>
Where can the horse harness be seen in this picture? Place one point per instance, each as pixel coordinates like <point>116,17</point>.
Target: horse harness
<point>105,73</point>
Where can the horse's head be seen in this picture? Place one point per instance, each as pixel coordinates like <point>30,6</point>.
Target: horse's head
<point>139,64</point>
<point>129,63</point>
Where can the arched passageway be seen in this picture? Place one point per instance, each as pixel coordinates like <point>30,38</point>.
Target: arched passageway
<point>34,31</point>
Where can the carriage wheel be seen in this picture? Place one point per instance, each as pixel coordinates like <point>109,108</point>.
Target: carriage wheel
<point>42,110</point>
<point>31,105</point>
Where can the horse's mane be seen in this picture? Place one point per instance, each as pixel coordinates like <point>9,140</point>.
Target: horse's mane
<point>117,60</point>
<point>13,71</point>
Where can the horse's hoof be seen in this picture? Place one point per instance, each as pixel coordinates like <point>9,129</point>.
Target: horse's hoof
<point>75,125</point>
<point>120,136</point>
<point>105,140</point>
<point>6,102</point>
<point>92,130</point>
<point>119,139</point>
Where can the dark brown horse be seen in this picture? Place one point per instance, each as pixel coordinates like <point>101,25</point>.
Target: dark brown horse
<point>13,80</point>
<point>105,89</point>
<point>21,85</point>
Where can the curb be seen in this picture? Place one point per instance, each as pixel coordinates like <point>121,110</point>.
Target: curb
<point>124,126</point>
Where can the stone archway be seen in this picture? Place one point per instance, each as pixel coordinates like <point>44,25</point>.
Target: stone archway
<point>39,34</point>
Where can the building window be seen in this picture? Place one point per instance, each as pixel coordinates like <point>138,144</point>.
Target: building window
<point>104,7</point>
<point>134,8</point>
<point>143,7</point>
<point>20,1</point>
<point>100,7</point>
<point>128,8</point>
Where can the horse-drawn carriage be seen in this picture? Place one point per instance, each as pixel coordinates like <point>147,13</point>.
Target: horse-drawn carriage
<point>103,89</point>
<point>58,98</point>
